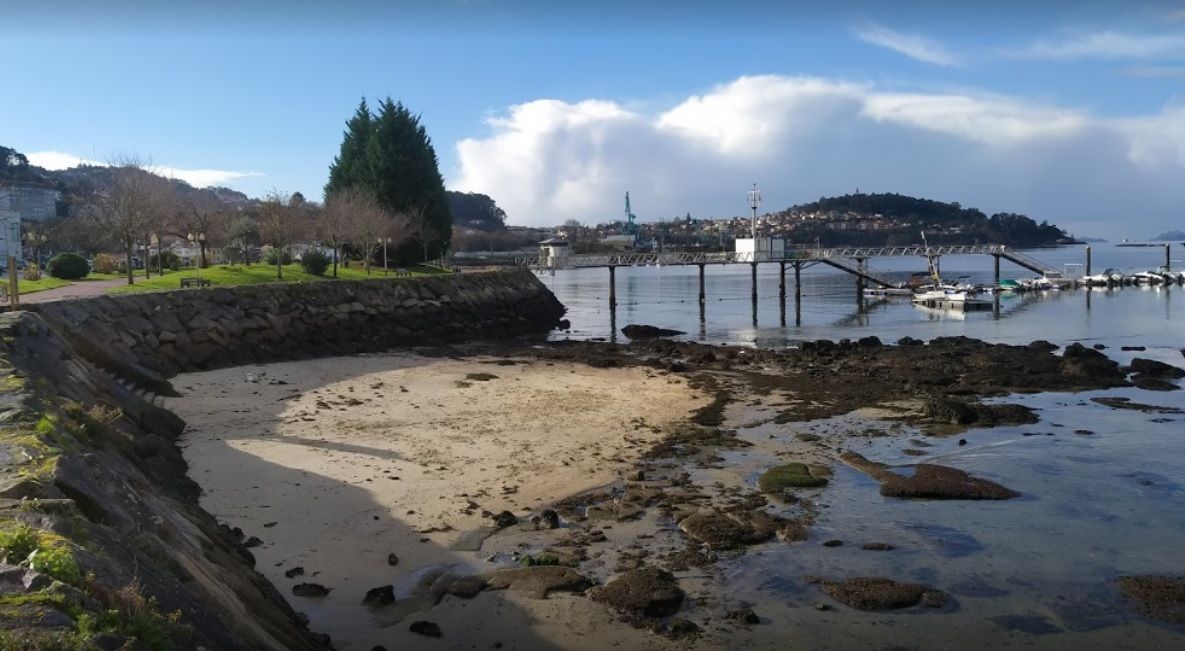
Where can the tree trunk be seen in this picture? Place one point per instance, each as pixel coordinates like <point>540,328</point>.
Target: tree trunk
<point>246,255</point>
<point>128,254</point>
<point>335,254</point>
<point>202,245</point>
<point>147,254</point>
<point>279,264</point>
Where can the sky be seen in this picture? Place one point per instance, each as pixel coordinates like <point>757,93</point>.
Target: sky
<point>1068,112</point>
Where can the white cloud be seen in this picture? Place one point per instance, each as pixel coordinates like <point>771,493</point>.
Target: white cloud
<point>199,178</point>
<point>1108,45</point>
<point>799,137</point>
<point>913,46</point>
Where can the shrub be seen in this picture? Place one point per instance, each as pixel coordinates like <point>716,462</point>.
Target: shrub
<point>68,266</point>
<point>32,272</point>
<point>314,261</point>
<point>285,256</point>
<point>170,258</point>
<point>233,254</point>
<point>105,264</point>
<point>56,561</point>
<point>16,544</point>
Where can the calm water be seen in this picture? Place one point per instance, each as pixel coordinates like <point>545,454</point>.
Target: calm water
<point>1035,572</point>
<point>667,296</point>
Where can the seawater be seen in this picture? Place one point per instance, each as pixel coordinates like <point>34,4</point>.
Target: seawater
<point>1034,572</point>
<point>830,308</point>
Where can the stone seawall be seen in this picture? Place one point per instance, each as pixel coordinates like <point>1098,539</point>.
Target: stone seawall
<point>103,543</point>
<point>146,338</point>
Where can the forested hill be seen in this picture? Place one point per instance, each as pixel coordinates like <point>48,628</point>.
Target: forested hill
<point>894,219</point>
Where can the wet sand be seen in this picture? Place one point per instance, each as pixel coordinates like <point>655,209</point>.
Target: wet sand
<point>334,464</point>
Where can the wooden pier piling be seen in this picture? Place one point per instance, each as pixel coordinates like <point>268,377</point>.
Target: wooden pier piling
<point>612,288</point>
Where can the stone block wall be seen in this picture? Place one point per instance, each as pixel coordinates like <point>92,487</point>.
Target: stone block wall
<point>148,337</point>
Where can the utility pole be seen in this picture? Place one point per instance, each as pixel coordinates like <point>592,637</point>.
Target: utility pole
<point>754,202</point>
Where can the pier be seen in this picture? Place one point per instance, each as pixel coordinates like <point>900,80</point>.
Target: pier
<point>853,260</point>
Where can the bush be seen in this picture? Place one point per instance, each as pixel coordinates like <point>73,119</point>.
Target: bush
<point>68,266</point>
<point>314,261</point>
<point>171,261</point>
<point>32,272</point>
<point>285,256</point>
<point>233,255</point>
<point>56,561</point>
<point>105,264</point>
<point>16,544</point>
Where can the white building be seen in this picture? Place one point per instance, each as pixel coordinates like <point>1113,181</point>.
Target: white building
<point>10,229</point>
<point>553,253</point>
<point>761,249</point>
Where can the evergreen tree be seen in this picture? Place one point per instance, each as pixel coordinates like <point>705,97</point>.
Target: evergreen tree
<point>390,155</point>
<point>349,167</point>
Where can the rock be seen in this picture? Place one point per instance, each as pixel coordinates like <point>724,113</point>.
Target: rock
<point>538,581</point>
<point>680,628</point>
<point>719,531</point>
<point>833,543</point>
<point>425,628</point>
<point>1125,403</point>
<point>1043,346</point>
<point>635,331</point>
<point>392,560</point>
<point>743,616</point>
<point>883,594</point>
<point>869,342</point>
<point>467,587</point>
<point>1153,368</point>
<point>380,596</point>
<point>550,519</point>
<point>1157,597</point>
<point>1099,347</point>
<point>1083,432</point>
<point>252,542</point>
<point>1004,414</point>
<point>778,479</point>
<point>949,410</point>
<point>310,590</point>
<point>643,593</point>
<point>1132,348</point>
<point>910,341</point>
<point>505,519</point>
<point>1149,383</point>
<point>877,547</point>
<point>294,572</point>
<point>944,483</point>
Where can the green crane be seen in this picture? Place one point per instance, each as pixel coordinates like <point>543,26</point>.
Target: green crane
<point>631,225</point>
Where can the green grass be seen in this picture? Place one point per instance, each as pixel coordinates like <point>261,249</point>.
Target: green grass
<point>228,275</point>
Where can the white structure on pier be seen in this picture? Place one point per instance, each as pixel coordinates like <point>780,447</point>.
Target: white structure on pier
<point>761,249</point>
<point>553,253</point>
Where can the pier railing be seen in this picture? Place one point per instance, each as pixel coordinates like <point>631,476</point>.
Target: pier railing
<point>795,254</point>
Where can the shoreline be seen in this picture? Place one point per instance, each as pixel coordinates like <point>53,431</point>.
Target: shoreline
<point>690,498</point>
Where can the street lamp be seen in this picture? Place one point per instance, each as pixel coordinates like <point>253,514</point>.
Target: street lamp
<point>384,241</point>
<point>160,258</point>
<point>200,240</point>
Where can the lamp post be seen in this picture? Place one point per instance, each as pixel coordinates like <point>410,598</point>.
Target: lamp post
<point>160,258</point>
<point>384,241</point>
<point>200,240</point>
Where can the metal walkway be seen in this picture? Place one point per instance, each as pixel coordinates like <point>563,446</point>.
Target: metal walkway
<point>838,257</point>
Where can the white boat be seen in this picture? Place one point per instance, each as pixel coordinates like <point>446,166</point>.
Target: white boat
<point>888,291</point>
<point>1148,278</point>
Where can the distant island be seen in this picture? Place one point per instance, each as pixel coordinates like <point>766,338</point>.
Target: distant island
<point>1170,236</point>
<point>890,219</point>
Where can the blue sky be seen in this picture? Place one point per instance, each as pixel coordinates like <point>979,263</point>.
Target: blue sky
<point>1069,112</point>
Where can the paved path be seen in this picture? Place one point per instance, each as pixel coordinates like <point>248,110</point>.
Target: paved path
<point>74,290</point>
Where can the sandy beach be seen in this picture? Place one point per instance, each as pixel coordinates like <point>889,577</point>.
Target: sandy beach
<point>336,464</point>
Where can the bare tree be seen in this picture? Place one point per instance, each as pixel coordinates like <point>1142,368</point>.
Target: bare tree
<point>278,226</point>
<point>420,224</point>
<point>127,210</point>
<point>369,223</point>
<point>199,214</point>
<point>337,221</point>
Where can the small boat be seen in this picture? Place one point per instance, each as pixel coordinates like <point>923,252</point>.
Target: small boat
<point>1009,285</point>
<point>888,291</point>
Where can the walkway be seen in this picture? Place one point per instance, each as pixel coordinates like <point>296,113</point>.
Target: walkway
<point>83,289</point>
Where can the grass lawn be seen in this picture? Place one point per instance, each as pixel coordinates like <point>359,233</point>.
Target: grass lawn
<point>226,275</point>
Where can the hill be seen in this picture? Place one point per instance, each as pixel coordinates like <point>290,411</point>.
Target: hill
<point>889,219</point>
<point>1171,236</point>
